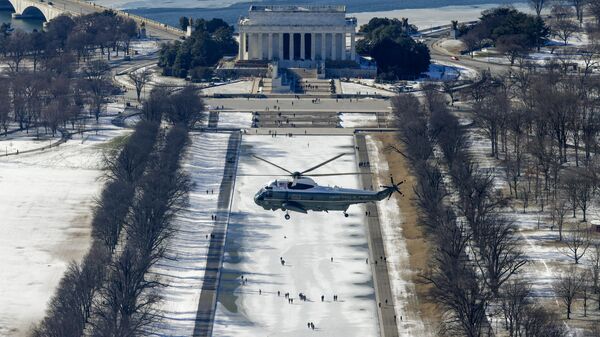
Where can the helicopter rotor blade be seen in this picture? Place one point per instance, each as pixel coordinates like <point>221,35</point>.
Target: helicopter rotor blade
<point>268,162</point>
<point>336,174</point>
<point>261,175</point>
<point>323,163</point>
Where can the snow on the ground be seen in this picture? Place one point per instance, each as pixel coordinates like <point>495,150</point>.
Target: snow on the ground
<point>425,18</point>
<point>239,87</point>
<point>442,73</point>
<point>131,121</point>
<point>46,201</point>
<point>182,268</point>
<point>537,243</point>
<point>353,120</point>
<point>351,88</point>
<point>145,46</point>
<point>235,120</point>
<point>23,141</point>
<point>258,238</point>
<point>390,219</point>
<point>452,45</point>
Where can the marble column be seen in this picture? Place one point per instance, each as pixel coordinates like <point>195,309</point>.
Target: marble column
<point>260,46</point>
<point>302,46</point>
<point>270,46</point>
<point>353,46</point>
<point>256,46</point>
<point>343,46</point>
<point>323,46</point>
<point>313,45</point>
<point>241,47</point>
<point>334,46</point>
<point>280,47</point>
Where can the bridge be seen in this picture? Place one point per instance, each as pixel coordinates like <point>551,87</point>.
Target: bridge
<point>50,9</point>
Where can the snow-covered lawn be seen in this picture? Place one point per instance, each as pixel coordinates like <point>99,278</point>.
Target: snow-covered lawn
<point>352,88</point>
<point>182,268</point>
<point>239,87</point>
<point>46,203</point>
<point>145,46</point>
<point>235,120</point>
<point>23,141</point>
<point>257,239</point>
<point>538,242</point>
<point>353,120</point>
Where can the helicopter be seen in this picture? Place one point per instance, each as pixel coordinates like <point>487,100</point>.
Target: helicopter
<point>302,194</point>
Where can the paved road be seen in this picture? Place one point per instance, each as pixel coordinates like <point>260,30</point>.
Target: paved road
<point>377,256</point>
<point>303,104</point>
<point>208,296</point>
<point>440,54</point>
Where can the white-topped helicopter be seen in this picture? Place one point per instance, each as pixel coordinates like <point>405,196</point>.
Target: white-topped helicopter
<point>302,194</point>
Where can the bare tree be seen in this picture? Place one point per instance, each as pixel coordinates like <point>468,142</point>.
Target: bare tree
<point>126,303</point>
<point>567,287</point>
<point>140,78</point>
<point>563,27</point>
<point>559,211</point>
<point>538,5</point>
<point>499,256</point>
<point>17,48</point>
<point>97,84</point>
<point>577,243</point>
<point>5,106</point>
<point>539,322</point>
<point>514,295</point>
<point>185,107</point>
<point>594,265</point>
<point>456,288</point>
<point>586,189</point>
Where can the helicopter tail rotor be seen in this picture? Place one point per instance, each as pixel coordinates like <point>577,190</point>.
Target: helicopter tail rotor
<point>390,189</point>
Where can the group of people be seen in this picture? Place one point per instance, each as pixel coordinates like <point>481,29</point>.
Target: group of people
<point>364,164</point>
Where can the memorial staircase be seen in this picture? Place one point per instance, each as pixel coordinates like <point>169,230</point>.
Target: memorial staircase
<point>307,82</point>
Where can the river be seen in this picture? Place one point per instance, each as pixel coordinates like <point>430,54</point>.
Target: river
<point>27,25</point>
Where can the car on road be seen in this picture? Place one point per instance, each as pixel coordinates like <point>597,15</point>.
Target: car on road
<point>455,58</point>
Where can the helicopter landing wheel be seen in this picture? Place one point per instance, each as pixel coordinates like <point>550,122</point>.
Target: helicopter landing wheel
<point>287,216</point>
<point>345,214</point>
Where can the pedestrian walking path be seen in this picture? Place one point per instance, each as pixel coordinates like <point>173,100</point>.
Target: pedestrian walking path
<point>208,296</point>
<point>377,257</point>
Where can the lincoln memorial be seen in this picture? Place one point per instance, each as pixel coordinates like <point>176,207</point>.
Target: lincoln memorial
<point>295,34</point>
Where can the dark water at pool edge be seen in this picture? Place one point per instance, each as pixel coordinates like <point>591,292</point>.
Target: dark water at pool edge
<point>232,13</point>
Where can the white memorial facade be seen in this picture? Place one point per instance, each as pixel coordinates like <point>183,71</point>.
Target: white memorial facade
<point>297,33</point>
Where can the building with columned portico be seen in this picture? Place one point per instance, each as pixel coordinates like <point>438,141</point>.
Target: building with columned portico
<point>297,35</point>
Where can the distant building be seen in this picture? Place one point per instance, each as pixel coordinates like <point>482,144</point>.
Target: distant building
<point>297,35</point>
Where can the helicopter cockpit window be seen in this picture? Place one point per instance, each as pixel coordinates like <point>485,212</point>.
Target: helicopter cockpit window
<point>298,186</point>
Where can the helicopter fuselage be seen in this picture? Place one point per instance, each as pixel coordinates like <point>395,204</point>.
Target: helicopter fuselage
<point>305,195</point>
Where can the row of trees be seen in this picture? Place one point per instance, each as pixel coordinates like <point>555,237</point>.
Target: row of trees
<point>475,261</point>
<point>516,34</point>
<point>111,292</point>
<point>209,42</point>
<point>388,42</point>
<point>79,37</point>
<point>544,128</point>
<point>70,310</point>
<point>54,100</point>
